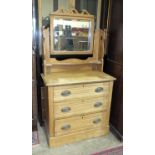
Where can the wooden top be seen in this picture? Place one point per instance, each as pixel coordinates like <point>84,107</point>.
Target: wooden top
<point>68,78</point>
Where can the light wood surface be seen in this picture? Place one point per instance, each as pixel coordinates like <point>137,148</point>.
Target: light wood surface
<point>65,78</point>
<point>83,114</point>
<point>72,12</point>
<point>66,129</point>
<point>51,112</point>
<point>74,137</point>
<point>80,91</point>
<point>110,98</point>
<point>98,50</point>
<point>80,106</point>
<point>68,68</point>
<point>73,61</point>
<point>78,98</point>
<point>78,123</point>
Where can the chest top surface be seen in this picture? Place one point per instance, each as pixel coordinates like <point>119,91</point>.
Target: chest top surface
<point>74,77</point>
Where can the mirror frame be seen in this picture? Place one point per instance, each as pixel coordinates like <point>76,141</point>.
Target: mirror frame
<point>70,14</point>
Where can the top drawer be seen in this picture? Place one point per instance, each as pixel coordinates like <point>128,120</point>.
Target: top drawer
<point>80,91</point>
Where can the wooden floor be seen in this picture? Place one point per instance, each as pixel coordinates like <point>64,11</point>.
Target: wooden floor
<point>86,147</point>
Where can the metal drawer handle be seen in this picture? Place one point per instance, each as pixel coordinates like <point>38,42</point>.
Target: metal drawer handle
<point>66,93</point>
<point>65,109</point>
<point>98,89</point>
<point>66,127</point>
<point>96,121</point>
<point>97,104</point>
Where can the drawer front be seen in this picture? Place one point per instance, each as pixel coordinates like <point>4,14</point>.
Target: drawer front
<point>77,107</point>
<point>78,123</point>
<point>97,89</point>
<point>80,91</point>
<point>67,92</point>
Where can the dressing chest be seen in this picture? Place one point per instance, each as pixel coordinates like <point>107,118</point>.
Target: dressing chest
<point>77,92</point>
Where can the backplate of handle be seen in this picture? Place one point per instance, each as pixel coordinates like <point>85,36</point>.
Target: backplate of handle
<point>99,89</point>
<point>98,104</point>
<point>96,121</point>
<point>66,127</point>
<point>66,93</point>
<point>65,109</point>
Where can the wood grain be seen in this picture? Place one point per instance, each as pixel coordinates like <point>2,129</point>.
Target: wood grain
<point>80,91</point>
<point>80,106</point>
<point>74,137</point>
<point>51,121</point>
<point>82,114</point>
<point>68,68</point>
<point>74,77</point>
<point>78,123</point>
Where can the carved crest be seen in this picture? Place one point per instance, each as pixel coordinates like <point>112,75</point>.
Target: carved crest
<point>72,12</point>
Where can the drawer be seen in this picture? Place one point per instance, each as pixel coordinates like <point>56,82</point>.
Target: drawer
<point>80,91</point>
<point>97,89</point>
<point>77,107</point>
<point>67,92</point>
<point>78,123</point>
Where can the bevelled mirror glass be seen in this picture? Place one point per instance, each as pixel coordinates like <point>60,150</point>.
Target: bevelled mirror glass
<point>71,35</point>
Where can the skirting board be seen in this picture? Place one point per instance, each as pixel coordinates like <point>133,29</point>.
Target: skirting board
<point>116,132</point>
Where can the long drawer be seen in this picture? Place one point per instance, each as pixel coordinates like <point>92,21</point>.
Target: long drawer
<point>80,91</point>
<point>78,123</point>
<point>81,106</point>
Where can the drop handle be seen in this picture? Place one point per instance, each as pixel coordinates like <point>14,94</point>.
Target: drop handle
<point>99,89</point>
<point>98,104</point>
<point>65,109</point>
<point>66,93</point>
<point>96,121</point>
<point>66,127</point>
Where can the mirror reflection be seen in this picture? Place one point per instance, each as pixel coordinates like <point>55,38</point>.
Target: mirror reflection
<point>72,35</point>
